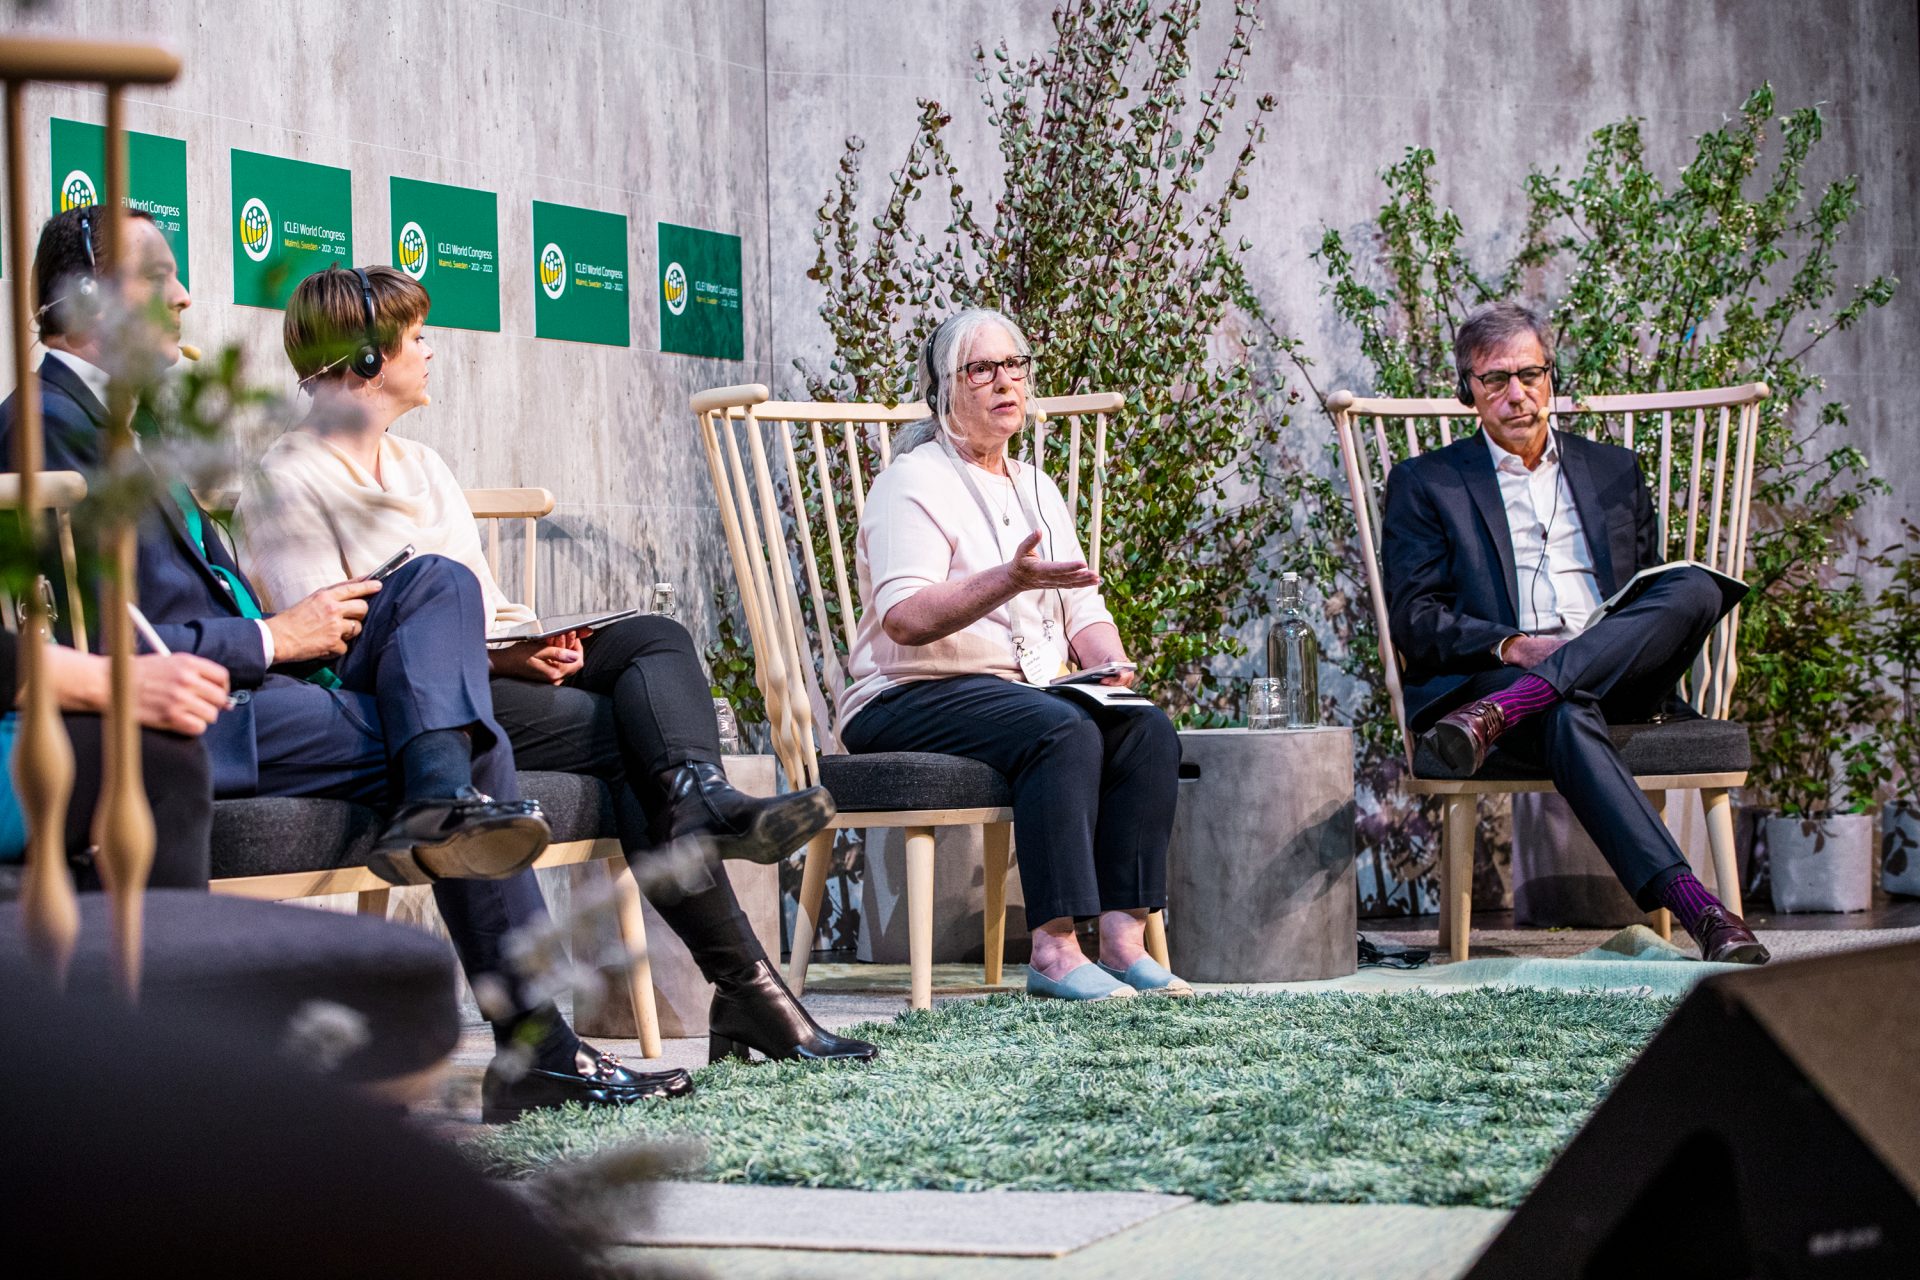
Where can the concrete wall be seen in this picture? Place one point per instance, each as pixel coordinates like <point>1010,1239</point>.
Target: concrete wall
<point>656,111</point>
<point>1491,87</point>
<point>730,115</point>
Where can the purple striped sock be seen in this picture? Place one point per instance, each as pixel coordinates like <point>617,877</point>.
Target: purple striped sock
<point>1524,697</point>
<point>1687,898</point>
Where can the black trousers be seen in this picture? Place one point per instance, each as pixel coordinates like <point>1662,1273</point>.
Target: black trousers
<point>179,786</point>
<point>1621,670</point>
<point>638,706</point>
<point>1093,789</point>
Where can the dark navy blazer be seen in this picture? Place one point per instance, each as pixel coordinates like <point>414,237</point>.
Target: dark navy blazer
<point>187,602</point>
<point>1447,554</point>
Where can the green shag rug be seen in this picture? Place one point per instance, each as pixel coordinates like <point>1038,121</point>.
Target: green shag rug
<point>1405,1098</point>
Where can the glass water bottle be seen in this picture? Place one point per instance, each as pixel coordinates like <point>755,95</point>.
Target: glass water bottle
<point>1293,658</point>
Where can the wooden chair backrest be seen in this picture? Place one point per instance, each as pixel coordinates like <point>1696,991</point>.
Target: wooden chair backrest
<point>1696,446</point>
<point>59,492</point>
<point>791,478</point>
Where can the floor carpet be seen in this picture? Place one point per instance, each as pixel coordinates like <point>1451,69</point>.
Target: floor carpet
<point>1001,1224</point>
<point>1331,1098</point>
<point>1294,1241</point>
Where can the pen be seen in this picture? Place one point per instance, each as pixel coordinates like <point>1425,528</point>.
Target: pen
<point>147,633</point>
<point>153,641</point>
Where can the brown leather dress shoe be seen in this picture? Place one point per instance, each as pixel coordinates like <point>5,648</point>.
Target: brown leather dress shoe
<point>1462,738</point>
<point>1725,939</point>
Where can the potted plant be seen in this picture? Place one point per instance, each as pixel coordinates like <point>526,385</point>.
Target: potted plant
<point>1817,750</point>
<point>1897,644</point>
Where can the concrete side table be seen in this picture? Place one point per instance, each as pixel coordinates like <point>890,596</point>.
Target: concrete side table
<point>1260,878</point>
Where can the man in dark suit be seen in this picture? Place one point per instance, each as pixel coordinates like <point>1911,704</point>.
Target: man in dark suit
<point>1497,552</point>
<point>373,692</point>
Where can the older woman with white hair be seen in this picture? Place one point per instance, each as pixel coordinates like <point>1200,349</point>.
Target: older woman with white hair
<point>975,596</point>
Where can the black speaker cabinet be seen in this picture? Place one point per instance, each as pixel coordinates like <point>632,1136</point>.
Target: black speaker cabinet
<point>1771,1129</point>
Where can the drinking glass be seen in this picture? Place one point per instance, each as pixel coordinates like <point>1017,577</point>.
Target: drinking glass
<point>1265,704</point>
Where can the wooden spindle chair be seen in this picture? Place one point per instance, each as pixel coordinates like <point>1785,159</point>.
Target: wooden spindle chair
<point>1698,450</point>
<point>791,478</point>
<point>43,770</point>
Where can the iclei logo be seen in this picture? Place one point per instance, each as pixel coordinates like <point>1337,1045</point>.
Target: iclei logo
<point>256,229</point>
<point>673,287</point>
<point>553,271</point>
<point>76,191</point>
<point>410,253</point>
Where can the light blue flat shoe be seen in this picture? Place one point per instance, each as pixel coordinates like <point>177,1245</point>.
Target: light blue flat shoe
<point>1149,977</point>
<point>1088,982</point>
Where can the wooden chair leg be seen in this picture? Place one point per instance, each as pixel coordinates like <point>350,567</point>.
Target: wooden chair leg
<point>920,915</point>
<point>1456,874</point>
<point>806,919</point>
<point>996,838</point>
<point>373,902</point>
<point>1726,869</point>
<point>633,936</point>
<point>1157,938</point>
<point>1660,920</point>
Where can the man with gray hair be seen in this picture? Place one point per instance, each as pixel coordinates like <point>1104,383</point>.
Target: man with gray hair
<point>1497,552</point>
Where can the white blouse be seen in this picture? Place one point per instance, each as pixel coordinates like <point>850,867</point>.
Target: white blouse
<point>922,527</point>
<point>311,516</point>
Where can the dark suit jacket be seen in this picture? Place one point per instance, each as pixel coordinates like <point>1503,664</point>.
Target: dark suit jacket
<point>1447,554</point>
<point>179,592</point>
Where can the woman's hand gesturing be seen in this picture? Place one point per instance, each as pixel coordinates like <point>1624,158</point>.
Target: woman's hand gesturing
<point>1028,572</point>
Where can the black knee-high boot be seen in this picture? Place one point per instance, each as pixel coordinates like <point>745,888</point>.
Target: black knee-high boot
<point>700,801</point>
<point>752,1008</point>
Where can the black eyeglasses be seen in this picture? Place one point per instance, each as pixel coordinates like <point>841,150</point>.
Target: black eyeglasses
<point>1495,381</point>
<point>981,372</point>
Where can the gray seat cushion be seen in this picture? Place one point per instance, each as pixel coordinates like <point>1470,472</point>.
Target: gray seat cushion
<point>912,780</point>
<point>249,970</point>
<point>274,835</point>
<point>1675,746</point>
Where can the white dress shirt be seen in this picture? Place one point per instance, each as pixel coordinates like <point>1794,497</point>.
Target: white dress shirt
<point>1557,590</point>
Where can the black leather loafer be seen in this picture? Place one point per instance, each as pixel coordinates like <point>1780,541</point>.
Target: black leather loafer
<point>598,1080</point>
<point>468,836</point>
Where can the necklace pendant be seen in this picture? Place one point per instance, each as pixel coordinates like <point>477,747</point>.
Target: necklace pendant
<point>1006,519</point>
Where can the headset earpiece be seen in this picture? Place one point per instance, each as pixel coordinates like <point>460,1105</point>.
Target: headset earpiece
<point>81,300</point>
<point>933,374</point>
<point>367,359</point>
<point>1464,391</point>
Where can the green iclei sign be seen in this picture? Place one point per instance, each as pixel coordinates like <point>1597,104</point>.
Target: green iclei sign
<point>700,293</point>
<point>156,178</point>
<point>448,238</point>
<point>580,275</point>
<point>290,219</point>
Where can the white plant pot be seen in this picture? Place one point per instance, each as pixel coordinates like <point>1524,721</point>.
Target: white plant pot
<point>1900,848</point>
<point>1821,864</point>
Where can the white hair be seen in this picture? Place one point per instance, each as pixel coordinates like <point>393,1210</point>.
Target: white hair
<point>946,351</point>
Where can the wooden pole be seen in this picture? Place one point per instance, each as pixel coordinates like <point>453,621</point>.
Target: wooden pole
<point>123,824</point>
<point>43,757</point>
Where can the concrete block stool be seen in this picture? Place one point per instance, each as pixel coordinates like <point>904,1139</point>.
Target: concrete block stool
<point>1260,877</point>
